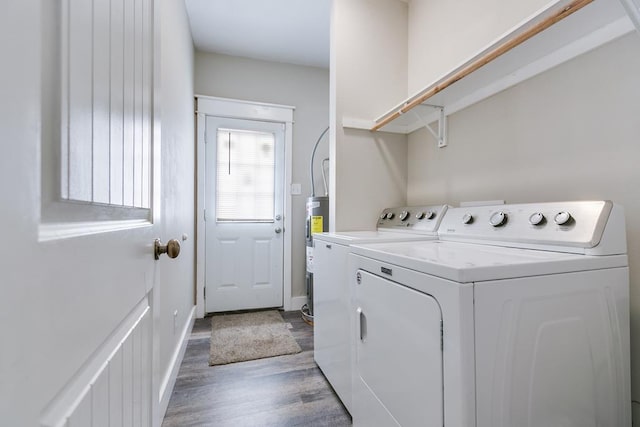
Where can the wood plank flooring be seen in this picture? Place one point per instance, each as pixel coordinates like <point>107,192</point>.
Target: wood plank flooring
<point>278,391</point>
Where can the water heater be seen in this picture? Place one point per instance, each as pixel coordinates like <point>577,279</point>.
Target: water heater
<point>317,222</point>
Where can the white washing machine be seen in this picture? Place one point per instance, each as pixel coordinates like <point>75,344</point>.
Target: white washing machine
<point>332,296</point>
<point>517,317</point>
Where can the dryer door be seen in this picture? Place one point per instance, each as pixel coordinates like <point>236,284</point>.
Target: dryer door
<point>398,374</point>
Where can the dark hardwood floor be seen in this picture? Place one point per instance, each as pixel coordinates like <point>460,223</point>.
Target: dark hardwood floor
<point>279,391</point>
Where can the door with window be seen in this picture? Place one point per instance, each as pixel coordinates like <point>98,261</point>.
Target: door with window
<point>244,199</point>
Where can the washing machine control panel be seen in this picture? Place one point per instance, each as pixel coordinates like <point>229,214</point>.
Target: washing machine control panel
<point>571,224</point>
<point>415,218</point>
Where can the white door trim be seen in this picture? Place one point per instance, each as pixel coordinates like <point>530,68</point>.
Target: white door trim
<point>238,109</point>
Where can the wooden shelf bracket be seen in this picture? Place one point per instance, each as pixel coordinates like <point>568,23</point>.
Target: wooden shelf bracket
<point>441,134</point>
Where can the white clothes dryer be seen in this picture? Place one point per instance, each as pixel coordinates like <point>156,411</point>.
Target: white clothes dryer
<point>517,317</point>
<point>333,297</point>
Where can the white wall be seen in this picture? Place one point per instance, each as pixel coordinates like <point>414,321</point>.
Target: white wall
<point>444,34</point>
<point>368,76</point>
<point>306,89</point>
<point>177,276</point>
<point>571,133</point>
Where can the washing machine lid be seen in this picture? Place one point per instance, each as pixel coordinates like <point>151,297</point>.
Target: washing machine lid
<point>466,262</point>
<point>371,236</point>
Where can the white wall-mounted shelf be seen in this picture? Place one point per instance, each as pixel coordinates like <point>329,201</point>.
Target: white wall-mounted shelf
<point>558,33</point>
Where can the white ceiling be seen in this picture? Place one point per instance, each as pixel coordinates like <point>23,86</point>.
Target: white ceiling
<point>290,31</point>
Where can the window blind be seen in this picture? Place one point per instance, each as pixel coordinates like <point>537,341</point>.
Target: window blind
<point>245,176</point>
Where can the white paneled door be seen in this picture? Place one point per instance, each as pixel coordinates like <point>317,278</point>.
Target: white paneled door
<point>78,214</point>
<point>244,192</point>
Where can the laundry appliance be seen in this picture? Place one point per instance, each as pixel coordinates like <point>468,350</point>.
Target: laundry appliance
<point>517,316</point>
<point>333,298</point>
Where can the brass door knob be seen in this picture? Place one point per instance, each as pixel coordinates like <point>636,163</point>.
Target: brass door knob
<point>172,248</point>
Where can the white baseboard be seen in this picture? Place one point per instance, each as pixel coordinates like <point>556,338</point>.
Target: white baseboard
<point>297,303</point>
<point>169,380</point>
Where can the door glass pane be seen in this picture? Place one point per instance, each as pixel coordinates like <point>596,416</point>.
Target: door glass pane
<point>245,182</point>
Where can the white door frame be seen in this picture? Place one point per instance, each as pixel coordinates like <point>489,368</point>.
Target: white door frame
<point>237,109</point>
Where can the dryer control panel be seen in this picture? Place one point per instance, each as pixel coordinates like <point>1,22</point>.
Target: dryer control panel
<point>415,218</point>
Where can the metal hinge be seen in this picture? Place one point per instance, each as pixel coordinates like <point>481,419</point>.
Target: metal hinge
<point>441,336</point>
<point>205,215</point>
<point>205,292</point>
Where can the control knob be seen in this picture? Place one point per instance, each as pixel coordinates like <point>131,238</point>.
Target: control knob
<point>537,218</point>
<point>390,215</point>
<point>467,218</point>
<point>383,216</point>
<point>420,215</point>
<point>563,218</point>
<point>404,215</point>
<point>430,215</point>
<point>498,219</point>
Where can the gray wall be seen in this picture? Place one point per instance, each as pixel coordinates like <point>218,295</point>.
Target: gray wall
<point>571,133</point>
<point>306,89</point>
<point>177,276</point>
<point>368,76</point>
<point>444,34</point>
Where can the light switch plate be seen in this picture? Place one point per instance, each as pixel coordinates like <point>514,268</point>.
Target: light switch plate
<point>296,189</point>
